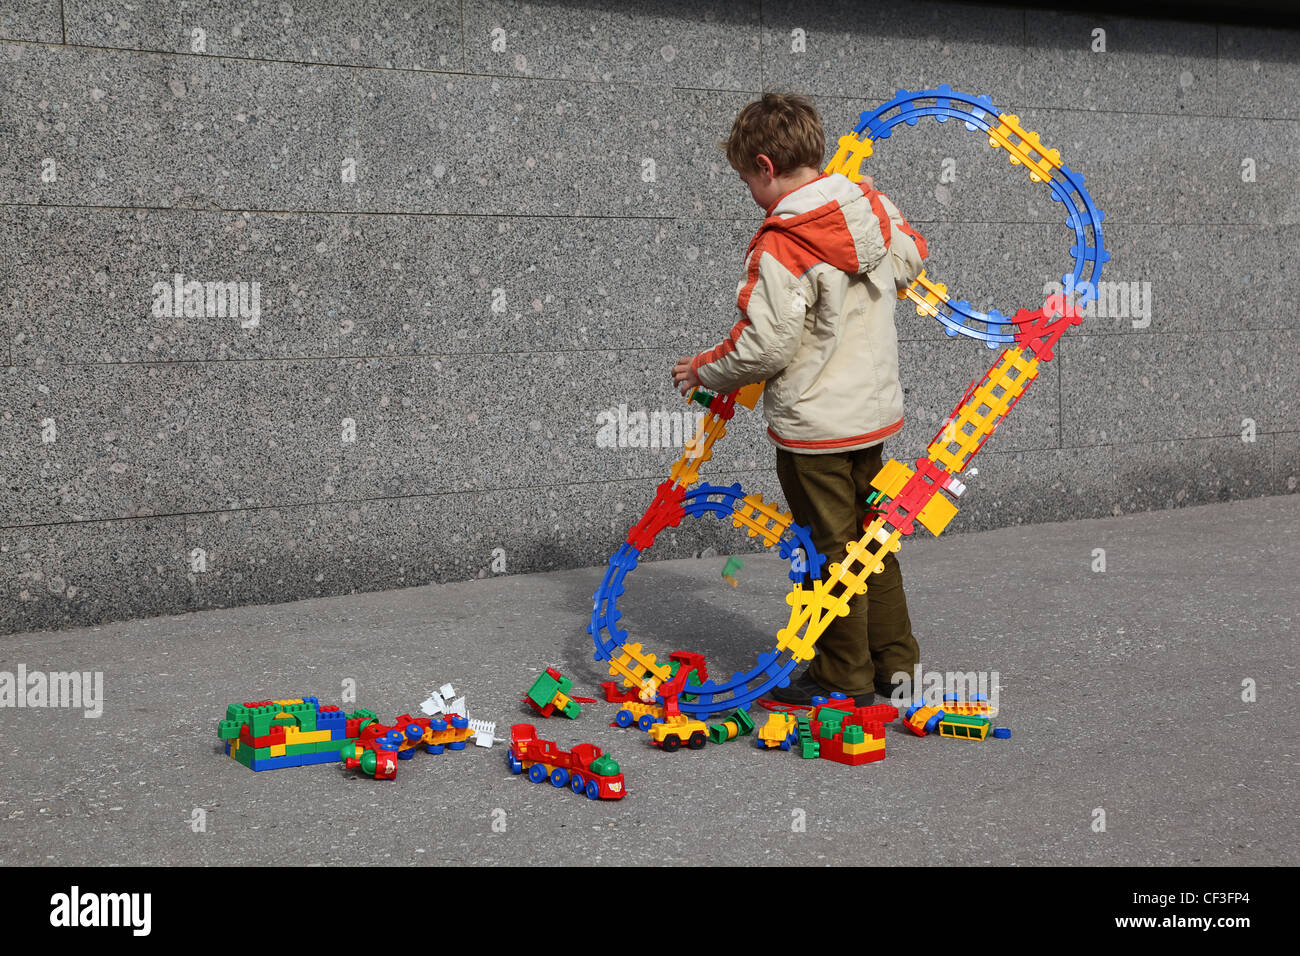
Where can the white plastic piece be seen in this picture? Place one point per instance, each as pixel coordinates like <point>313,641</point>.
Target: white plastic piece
<point>484,732</point>
<point>458,707</point>
<point>434,705</point>
<point>956,487</point>
<point>447,691</point>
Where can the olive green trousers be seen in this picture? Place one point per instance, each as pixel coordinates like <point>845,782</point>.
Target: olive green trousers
<point>864,649</point>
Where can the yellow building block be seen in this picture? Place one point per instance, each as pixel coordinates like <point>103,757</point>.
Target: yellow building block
<point>936,514</point>
<point>869,745</point>
<point>277,750</point>
<point>892,477</point>
<point>749,395</point>
<point>292,735</point>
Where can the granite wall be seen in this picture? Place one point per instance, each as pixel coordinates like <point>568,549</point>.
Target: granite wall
<point>441,244</point>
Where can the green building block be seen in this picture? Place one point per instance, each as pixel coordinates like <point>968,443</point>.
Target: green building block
<point>808,747</point>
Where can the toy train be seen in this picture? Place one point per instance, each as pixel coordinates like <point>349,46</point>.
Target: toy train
<point>585,769</point>
<point>379,746</point>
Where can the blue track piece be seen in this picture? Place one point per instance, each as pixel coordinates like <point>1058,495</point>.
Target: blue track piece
<point>772,669</point>
<point>1083,216</point>
<point>605,612</point>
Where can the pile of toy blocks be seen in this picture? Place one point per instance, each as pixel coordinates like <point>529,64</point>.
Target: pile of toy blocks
<point>850,735</point>
<point>269,734</point>
<point>550,694</point>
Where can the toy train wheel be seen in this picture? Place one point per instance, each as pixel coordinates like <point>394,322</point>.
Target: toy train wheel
<point>624,718</point>
<point>672,743</point>
<point>537,773</point>
<point>577,784</point>
<point>646,722</point>
<point>513,763</point>
<point>593,790</point>
<point>697,741</point>
<point>559,777</point>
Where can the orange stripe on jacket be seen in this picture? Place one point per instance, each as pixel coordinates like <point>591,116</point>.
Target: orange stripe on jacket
<point>878,435</point>
<point>904,225</point>
<point>715,353</point>
<point>873,196</point>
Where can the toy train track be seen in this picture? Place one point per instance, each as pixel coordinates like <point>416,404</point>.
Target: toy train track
<point>906,495</point>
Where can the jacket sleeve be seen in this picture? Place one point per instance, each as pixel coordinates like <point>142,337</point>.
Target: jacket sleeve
<point>773,306</point>
<point>906,246</point>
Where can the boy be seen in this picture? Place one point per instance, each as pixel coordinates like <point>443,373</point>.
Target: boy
<point>817,324</point>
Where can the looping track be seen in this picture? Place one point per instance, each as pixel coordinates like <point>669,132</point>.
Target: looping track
<point>908,495</point>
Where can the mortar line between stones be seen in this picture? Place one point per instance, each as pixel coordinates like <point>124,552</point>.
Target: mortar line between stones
<point>603,482</point>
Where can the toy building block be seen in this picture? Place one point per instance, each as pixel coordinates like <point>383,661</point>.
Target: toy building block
<point>808,746</point>
<point>923,719</point>
<point>674,731</point>
<point>977,706</point>
<point>549,694</point>
<point>399,741</point>
<point>294,732</point>
<point>729,570</point>
<point>780,732</point>
<point>749,395</point>
<point>484,732</point>
<point>964,728</point>
<point>643,706</point>
<point>677,729</point>
<point>585,769</point>
<point>847,734</point>
<point>1002,733</point>
<point>739,724</point>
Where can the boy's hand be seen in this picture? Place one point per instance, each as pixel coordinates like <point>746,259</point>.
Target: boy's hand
<point>684,377</point>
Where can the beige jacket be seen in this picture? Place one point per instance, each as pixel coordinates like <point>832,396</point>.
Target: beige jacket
<point>817,317</point>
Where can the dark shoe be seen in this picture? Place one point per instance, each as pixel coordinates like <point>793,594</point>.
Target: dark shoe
<point>802,689</point>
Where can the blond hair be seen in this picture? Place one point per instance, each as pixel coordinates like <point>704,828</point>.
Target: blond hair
<point>783,126</point>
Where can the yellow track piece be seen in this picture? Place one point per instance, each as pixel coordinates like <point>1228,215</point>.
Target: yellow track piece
<point>1023,150</point>
<point>686,470</point>
<point>637,667</point>
<point>848,158</point>
<point>926,295</point>
<point>976,417</point>
<point>773,524</point>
